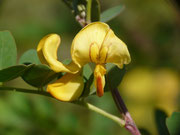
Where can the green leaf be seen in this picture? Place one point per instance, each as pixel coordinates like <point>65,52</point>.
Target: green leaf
<point>87,71</point>
<point>39,75</point>
<point>160,118</point>
<point>114,76</point>
<point>30,56</point>
<point>89,88</point>
<point>11,73</point>
<point>95,11</point>
<point>173,123</point>
<point>111,13</point>
<point>8,51</point>
<point>67,61</point>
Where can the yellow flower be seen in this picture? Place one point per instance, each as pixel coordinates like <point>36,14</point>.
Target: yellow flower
<point>95,43</point>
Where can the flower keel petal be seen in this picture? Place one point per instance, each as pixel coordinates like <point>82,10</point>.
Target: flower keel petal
<point>99,73</point>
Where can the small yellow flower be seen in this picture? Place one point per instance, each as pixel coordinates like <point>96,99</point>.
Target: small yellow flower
<point>95,43</point>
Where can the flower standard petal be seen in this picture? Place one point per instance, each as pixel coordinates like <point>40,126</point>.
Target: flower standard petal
<point>47,52</point>
<point>117,50</point>
<point>67,88</point>
<point>93,33</point>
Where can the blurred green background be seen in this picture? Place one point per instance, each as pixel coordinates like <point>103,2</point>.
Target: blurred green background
<point>151,30</point>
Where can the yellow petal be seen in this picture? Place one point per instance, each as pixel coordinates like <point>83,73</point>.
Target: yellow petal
<point>67,88</point>
<point>47,52</point>
<point>99,73</point>
<point>103,55</point>
<point>94,53</point>
<point>93,33</point>
<point>39,50</point>
<point>117,50</point>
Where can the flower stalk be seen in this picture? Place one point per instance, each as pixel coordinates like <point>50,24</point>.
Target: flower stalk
<point>88,17</point>
<point>89,106</point>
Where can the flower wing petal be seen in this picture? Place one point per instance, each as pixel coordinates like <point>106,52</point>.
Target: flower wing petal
<point>39,50</point>
<point>47,52</point>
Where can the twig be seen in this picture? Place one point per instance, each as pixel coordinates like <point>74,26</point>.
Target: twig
<point>88,17</point>
<point>89,106</point>
<point>25,90</point>
<point>129,123</point>
<point>81,103</point>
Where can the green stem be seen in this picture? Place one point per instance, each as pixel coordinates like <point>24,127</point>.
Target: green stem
<point>88,17</point>
<point>25,90</point>
<point>116,119</point>
<point>84,104</point>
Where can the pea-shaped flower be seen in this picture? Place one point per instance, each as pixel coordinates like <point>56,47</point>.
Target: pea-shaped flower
<point>95,43</point>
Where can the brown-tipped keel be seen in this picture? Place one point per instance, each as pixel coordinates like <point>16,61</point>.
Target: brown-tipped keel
<point>100,87</point>
<point>99,79</point>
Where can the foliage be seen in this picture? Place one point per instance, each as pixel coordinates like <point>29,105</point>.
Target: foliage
<point>8,51</point>
<point>173,123</point>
